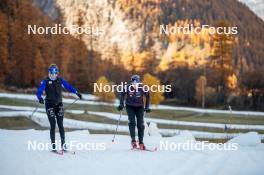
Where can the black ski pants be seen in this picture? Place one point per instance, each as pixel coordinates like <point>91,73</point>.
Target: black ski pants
<point>55,113</point>
<point>136,118</point>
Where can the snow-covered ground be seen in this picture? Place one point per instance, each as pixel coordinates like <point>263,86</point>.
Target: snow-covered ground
<point>39,109</point>
<point>90,100</point>
<point>117,158</point>
<point>125,118</point>
<point>42,120</point>
<point>33,96</point>
<point>184,123</point>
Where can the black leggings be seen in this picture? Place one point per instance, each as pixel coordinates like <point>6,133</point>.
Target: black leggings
<point>55,112</point>
<point>133,114</point>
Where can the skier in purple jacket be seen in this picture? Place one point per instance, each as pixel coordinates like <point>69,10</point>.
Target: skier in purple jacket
<point>133,97</point>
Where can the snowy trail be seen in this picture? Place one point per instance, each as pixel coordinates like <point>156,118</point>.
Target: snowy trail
<point>40,109</point>
<point>90,100</point>
<point>155,120</point>
<point>33,96</point>
<point>117,158</point>
<point>42,120</point>
<point>210,111</point>
<point>185,123</point>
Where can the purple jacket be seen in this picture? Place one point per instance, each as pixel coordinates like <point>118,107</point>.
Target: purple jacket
<point>134,98</point>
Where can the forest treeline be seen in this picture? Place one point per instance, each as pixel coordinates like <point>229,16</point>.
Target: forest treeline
<point>24,58</point>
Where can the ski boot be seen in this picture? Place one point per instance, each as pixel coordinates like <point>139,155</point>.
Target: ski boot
<point>64,147</point>
<point>53,145</point>
<point>142,146</point>
<point>54,149</point>
<point>134,144</point>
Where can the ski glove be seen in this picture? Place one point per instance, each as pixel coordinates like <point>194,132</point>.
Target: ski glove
<point>41,101</point>
<point>120,107</point>
<point>147,110</point>
<point>79,95</point>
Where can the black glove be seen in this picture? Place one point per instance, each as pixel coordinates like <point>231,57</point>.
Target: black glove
<point>79,95</point>
<point>41,101</point>
<point>120,107</point>
<point>147,110</point>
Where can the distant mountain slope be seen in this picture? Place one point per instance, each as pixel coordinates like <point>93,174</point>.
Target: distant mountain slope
<point>256,6</point>
<point>251,28</point>
<point>132,25</point>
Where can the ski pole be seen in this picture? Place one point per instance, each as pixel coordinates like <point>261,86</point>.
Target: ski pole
<point>145,114</point>
<point>117,126</point>
<point>67,107</point>
<point>36,108</point>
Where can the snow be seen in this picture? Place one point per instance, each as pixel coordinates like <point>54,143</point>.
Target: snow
<point>112,116</point>
<point>40,109</point>
<point>210,111</point>
<point>90,100</point>
<point>42,120</point>
<point>146,131</point>
<point>182,137</point>
<point>155,120</point>
<point>248,139</point>
<point>84,96</point>
<point>19,96</point>
<point>185,123</point>
<point>117,158</point>
<point>33,96</point>
<point>153,130</point>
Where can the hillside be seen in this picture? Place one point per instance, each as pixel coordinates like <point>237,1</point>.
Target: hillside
<point>131,43</point>
<point>131,26</point>
<point>256,6</point>
<point>25,58</point>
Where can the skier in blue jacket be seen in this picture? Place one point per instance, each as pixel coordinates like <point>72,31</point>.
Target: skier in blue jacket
<point>52,85</point>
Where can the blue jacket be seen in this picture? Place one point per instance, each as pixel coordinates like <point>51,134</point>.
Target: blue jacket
<point>53,89</point>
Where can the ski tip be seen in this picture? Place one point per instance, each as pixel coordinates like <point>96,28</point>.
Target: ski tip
<point>70,152</point>
<point>57,152</point>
